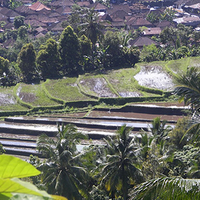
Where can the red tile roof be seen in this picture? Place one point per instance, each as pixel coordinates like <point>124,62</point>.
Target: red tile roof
<point>38,6</point>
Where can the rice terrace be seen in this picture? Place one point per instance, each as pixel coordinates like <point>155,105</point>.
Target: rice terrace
<point>97,104</point>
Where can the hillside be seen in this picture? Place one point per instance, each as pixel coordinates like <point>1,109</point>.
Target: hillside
<point>145,82</point>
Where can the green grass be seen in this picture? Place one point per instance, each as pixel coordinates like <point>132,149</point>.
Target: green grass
<point>40,99</point>
<point>65,89</point>
<point>194,62</point>
<point>72,89</point>
<point>9,106</point>
<point>178,66</point>
<point>155,63</point>
<point>87,84</point>
<point>122,80</point>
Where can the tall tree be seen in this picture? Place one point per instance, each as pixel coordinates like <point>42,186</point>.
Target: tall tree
<point>120,170</point>
<point>48,59</point>
<point>4,66</point>
<point>69,49</point>
<point>112,41</point>
<point>26,61</point>
<point>86,51</point>
<point>19,21</point>
<point>169,36</point>
<point>60,173</point>
<point>22,32</point>
<point>92,28</point>
<point>76,17</point>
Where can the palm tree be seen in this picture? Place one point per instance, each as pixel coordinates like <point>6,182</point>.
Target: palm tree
<point>60,173</point>
<point>188,90</point>
<point>167,188</point>
<point>92,28</point>
<point>120,171</point>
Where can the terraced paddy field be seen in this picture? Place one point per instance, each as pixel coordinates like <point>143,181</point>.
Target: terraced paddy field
<point>106,101</point>
<point>19,134</point>
<point>144,82</point>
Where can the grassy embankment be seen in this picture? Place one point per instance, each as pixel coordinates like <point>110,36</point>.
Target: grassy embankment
<point>89,89</point>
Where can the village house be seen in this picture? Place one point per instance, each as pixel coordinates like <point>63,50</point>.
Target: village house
<point>188,21</point>
<point>131,16</point>
<point>136,22</point>
<point>10,14</point>
<point>155,31</point>
<point>141,41</point>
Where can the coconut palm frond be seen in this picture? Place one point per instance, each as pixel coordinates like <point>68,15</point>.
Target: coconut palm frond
<point>167,188</point>
<point>188,87</point>
<point>59,172</point>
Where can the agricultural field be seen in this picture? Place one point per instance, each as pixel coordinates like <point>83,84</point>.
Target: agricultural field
<point>34,95</point>
<point>7,100</point>
<point>143,80</point>
<point>65,89</point>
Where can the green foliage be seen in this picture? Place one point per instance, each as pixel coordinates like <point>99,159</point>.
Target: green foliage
<point>69,49</point>
<point>177,135</point>
<point>86,52</point>
<point>4,66</point>
<point>22,32</point>
<point>153,18</point>
<point>12,4</point>
<point>182,52</point>
<point>169,35</point>
<point>185,161</point>
<point>2,24</point>
<point>167,188</point>
<point>169,14</point>
<point>92,27</point>
<point>18,21</point>
<point>114,51</point>
<point>75,19</point>
<point>149,53</point>
<point>176,36</point>
<point>120,170</point>
<point>59,172</point>
<point>11,169</point>
<point>159,129</point>
<point>131,55</point>
<point>188,87</point>
<point>26,60</point>
<point>86,46</point>
<point>48,59</point>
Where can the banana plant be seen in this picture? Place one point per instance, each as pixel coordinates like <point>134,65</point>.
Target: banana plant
<point>12,188</point>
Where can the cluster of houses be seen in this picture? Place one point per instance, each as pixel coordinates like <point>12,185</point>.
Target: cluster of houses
<point>44,18</point>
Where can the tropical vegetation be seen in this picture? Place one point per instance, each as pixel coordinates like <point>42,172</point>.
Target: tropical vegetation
<point>161,163</point>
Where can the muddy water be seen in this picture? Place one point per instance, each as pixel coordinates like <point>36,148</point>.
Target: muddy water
<point>154,77</point>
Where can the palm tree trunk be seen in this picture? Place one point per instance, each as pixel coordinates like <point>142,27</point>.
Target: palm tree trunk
<point>124,184</point>
<point>93,49</point>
